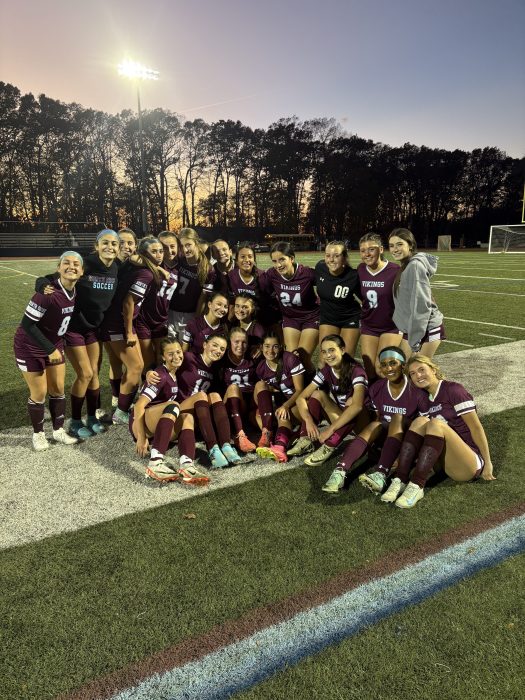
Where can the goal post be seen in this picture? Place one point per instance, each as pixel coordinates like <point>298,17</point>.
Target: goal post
<point>444,243</point>
<point>507,239</point>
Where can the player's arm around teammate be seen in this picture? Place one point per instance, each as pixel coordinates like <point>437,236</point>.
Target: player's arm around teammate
<point>451,437</point>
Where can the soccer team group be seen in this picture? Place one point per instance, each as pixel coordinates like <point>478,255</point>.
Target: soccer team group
<point>224,350</point>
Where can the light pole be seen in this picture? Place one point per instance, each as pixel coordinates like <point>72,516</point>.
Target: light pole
<point>137,72</point>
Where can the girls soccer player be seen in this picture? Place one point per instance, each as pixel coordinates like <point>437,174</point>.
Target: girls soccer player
<point>213,322</point>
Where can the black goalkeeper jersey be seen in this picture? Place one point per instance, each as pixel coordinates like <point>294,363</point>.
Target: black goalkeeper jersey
<point>339,306</point>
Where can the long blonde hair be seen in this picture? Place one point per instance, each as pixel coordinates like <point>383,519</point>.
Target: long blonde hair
<point>203,264</point>
<point>424,360</point>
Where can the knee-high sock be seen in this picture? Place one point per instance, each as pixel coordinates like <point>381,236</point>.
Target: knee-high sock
<point>388,455</point>
<point>76,406</point>
<point>92,401</point>
<point>125,400</point>
<point>339,435</point>
<point>161,438</point>
<point>203,416</point>
<point>222,422</point>
<point>353,452</point>
<point>57,409</point>
<point>408,454</point>
<point>36,414</point>
<point>186,445</point>
<point>265,407</point>
<point>429,454</point>
<point>233,407</point>
<point>315,410</point>
<point>283,437</point>
<point>115,387</point>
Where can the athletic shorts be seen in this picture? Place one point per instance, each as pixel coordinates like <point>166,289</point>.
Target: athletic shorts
<point>177,322</point>
<point>431,335</point>
<point>481,466</point>
<point>311,321</point>
<point>342,323</point>
<point>144,332</point>
<point>29,359</point>
<point>73,339</point>
<point>367,330</point>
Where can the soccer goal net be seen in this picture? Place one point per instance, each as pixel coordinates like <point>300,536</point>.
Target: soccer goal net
<point>444,243</point>
<point>507,239</point>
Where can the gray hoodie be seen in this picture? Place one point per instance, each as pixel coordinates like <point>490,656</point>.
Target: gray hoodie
<point>415,311</point>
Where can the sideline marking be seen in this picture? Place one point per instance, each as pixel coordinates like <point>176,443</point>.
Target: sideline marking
<point>20,272</point>
<point>503,337</point>
<point>455,342</point>
<point>484,323</point>
<point>479,291</point>
<point>481,277</point>
<point>252,660</point>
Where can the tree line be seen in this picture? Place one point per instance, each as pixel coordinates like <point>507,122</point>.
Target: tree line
<point>65,162</point>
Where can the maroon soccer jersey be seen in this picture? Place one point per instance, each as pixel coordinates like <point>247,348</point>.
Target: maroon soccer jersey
<point>378,298</point>
<point>326,380</point>
<point>450,402</point>
<point>243,374</point>
<point>291,367</point>
<point>165,390</point>
<point>154,309</point>
<point>236,284</point>
<point>198,330</point>
<point>51,313</point>
<point>189,289</point>
<point>132,280</point>
<point>296,297</point>
<point>410,403</point>
<point>195,375</point>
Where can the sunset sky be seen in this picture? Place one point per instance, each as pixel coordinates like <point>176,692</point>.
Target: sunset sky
<point>446,74</point>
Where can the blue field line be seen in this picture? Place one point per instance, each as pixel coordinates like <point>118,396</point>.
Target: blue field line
<point>243,664</point>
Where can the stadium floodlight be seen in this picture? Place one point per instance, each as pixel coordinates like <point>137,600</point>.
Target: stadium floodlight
<point>137,72</point>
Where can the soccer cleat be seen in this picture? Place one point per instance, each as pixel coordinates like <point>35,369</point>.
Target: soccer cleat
<point>77,429</point>
<point>189,474</point>
<point>410,496</point>
<point>94,425</point>
<point>319,456</point>
<point>243,444</point>
<point>375,481</point>
<point>335,483</point>
<point>217,459</point>
<point>102,416</point>
<point>275,452</point>
<point>266,438</point>
<point>63,438</point>
<point>301,447</point>
<point>230,453</point>
<point>120,417</point>
<point>396,487</point>
<point>40,442</point>
<point>158,469</point>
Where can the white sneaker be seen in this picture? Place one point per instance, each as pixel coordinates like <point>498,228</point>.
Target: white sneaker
<point>411,495</point>
<point>320,456</point>
<point>40,442</point>
<point>158,469</point>
<point>393,491</point>
<point>63,438</point>
<point>114,402</point>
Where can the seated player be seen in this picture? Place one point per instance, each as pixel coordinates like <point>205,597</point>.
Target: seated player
<point>337,392</point>
<point>201,327</point>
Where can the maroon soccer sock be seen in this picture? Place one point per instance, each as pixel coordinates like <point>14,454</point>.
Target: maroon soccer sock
<point>76,406</point>
<point>338,436</point>
<point>315,409</point>
<point>162,436</point>
<point>233,407</point>
<point>187,444</point>
<point>407,454</point>
<point>353,452</point>
<point>36,414</point>
<point>265,407</point>
<point>92,401</point>
<point>202,414</point>
<point>222,422</point>
<point>57,409</point>
<point>388,455</point>
<point>428,456</point>
<point>283,437</point>
<point>125,400</point>
<point>115,387</point>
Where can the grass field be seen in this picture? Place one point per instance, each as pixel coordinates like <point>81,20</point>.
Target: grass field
<point>87,602</point>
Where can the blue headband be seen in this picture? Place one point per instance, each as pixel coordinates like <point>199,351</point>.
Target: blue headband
<point>71,253</point>
<point>391,354</point>
<point>107,232</point>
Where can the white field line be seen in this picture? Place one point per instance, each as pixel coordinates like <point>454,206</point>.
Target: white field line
<point>482,277</point>
<point>456,288</point>
<point>455,342</point>
<point>71,487</point>
<point>20,272</point>
<point>490,335</point>
<point>483,323</point>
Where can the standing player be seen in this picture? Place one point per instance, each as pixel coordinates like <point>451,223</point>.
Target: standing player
<point>337,392</point>
<point>294,287</point>
<point>338,288</point>
<point>452,437</point>
<point>377,279</point>
<point>39,350</point>
<point>416,314</point>
<point>224,264</point>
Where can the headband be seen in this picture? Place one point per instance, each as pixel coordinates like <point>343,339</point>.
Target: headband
<point>107,232</point>
<point>392,354</point>
<point>71,253</point>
